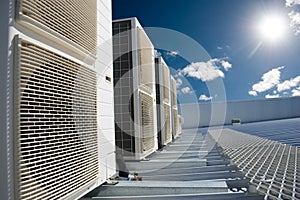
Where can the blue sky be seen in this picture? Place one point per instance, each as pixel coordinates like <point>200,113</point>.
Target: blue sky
<point>253,46</point>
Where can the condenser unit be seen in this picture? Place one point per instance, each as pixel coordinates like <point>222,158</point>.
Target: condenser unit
<point>174,108</point>
<point>167,102</point>
<point>134,83</point>
<point>57,133</point>
<point>162,77</point>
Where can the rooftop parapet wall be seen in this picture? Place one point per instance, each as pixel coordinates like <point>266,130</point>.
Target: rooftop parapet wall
<point>220,113</point>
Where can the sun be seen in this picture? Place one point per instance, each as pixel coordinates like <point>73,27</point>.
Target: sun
<point>272,28</point>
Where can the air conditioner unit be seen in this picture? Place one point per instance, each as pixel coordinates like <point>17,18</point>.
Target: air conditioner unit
<point>134,81</point>
<point>55,94</point>
<point>167,102</point>
<point>162,77</point>
<point>174,111</point>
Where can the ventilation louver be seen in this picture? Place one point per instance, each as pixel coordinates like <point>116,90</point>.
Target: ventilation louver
<point>75,20</point>
<point>166,82</point>
<point>56,124</point>
<point>167,122</point>
<point>147,122</point>
<point>175,120</point>
<point>146,62</point>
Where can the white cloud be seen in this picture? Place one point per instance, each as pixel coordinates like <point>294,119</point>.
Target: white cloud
<point>290,3</point>
<point>295,22</point>
<point>288,84</point>
<point>206,71</point>
<point>186,90</point>
<point>296,92</point>
<point>172,53</point>
<point>178,82</point>
<point>270,96</point>
<point>220,48</point>
<point>253,93</point>
<point>226,65</point>
<point>203,97</point>
<point>268,81</point>
<point>156,53</point>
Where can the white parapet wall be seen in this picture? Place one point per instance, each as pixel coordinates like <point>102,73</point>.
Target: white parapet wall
<point>220,113</point>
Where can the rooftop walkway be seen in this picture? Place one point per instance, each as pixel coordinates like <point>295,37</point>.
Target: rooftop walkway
<point>191,167</point>
<point>271,166</point>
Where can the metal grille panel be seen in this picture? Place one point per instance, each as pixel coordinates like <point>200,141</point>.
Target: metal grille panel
<point>146,61</point>
<point>75,20</point>
<point>175,120</point>
<point>167,123</point>
<point>147,122</point>
<point>272,167</point>
<point>166,77</point>
<point>174,92</point>
<point>56,148</point>
<point>178,124</point>
<point>123,87</point>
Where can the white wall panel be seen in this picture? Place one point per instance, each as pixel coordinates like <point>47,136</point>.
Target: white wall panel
<point>247,111</point>
<point>106,123</point>
<point>105,91</point>
<point>106,96</point>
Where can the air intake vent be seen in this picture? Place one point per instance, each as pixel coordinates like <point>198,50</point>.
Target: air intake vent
<point>75,20</point>
<point>166,75</point>
<point>167,122</point>
<point>175,120</point>
<point>146,62</point>
<point>147,122</point>
<point>56,136</point>
<point>174,92</point>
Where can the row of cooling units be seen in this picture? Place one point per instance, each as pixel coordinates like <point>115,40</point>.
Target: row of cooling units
<point>77,87</point>
<point>146,111</point>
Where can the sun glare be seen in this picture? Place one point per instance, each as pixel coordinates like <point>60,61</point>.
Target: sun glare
<point>272,28</point>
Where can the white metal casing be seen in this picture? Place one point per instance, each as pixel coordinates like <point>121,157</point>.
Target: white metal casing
<point>141,86</point>
<point>29,36</point>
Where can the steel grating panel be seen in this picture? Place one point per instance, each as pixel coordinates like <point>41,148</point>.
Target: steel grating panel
<point>167,123</point>
<point>75,20</point>
<point>273,130</point>
<point>56,124</point>
<point>147,122</point>
<point>272,166</point>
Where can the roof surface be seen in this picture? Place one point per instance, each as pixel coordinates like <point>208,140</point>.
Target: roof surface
<point>191,167</point>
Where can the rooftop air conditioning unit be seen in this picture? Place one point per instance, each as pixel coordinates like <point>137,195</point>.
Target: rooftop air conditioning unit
<point>162,76</point>
<point>56,88</point>
<point>174,108</point>
<point>134,82</point>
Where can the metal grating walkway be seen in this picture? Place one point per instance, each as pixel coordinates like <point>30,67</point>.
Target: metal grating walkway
<point>189,168</point>
<point>272,167</point>
<point>273,130</point>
